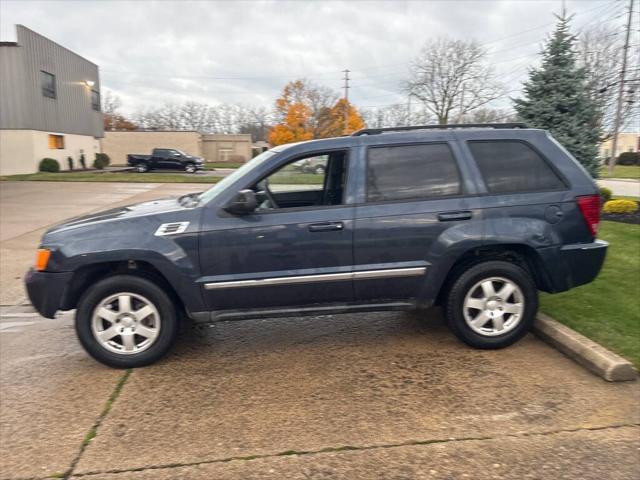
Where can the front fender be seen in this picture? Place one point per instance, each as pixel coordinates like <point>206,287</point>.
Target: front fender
<point>175,257</point>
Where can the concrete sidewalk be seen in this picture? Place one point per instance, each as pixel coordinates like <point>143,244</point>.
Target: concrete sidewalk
<point>375,395</point>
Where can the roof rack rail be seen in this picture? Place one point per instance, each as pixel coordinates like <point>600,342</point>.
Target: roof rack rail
<point>376,131</point>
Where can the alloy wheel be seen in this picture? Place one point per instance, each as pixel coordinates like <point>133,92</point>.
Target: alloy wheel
<point>493,306</point>
<point>125,323</point>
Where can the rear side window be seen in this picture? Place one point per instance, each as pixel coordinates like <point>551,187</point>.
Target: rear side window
<point>512,166</point>
<point>411,171</point>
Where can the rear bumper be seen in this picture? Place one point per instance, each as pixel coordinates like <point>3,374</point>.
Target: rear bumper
<point>573,265</point>
<point>584,261</point>
<point>46,290</point>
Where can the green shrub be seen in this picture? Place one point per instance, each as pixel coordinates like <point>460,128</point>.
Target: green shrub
<point>83,161</point>
<point>629,158</point>
<point>49,165</point>
<point>605,194</point>
<point>106,161</point>
<point>620,206</point>
<point>70,163</point>
<point>98,163</point>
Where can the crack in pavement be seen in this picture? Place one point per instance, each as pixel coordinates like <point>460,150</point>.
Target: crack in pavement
<point>354,448</point>
<point>93,431</point>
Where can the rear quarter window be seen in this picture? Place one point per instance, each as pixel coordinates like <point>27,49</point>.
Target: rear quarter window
<point>513,166</point>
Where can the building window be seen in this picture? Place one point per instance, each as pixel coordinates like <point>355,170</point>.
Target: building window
<point>95,100</point>
<point>48,84</point>
<point>224,154</point>
<point>56,142</point>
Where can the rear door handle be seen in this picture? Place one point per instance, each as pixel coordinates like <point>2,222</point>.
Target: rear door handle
<point>453,216</point>
<point>325,227</point>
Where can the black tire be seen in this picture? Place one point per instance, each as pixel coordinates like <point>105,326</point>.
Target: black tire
<point>467,279</point>
<point>190,168</point>
<point>136,285</point>
<point>142,167</point>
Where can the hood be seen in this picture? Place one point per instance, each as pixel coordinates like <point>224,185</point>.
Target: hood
<point>154,207</point>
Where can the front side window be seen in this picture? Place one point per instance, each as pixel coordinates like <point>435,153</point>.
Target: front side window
<point>313,181</point>
<point>411,172</point>
<point>95,100</point>
<point>48,81</point>
<point>513,166</point>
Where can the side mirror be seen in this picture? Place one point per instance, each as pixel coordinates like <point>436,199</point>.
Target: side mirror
<point>243,203</point>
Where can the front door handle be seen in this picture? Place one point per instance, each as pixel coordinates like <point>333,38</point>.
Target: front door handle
<point>325,227</point>
<point>454,216</point>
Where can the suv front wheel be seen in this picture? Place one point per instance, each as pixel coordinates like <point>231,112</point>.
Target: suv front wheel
<point>492,304</point>
<point>126,321</point>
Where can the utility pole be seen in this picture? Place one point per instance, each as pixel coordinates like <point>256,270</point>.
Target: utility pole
<point>346,100</point>
<point>616,123</point>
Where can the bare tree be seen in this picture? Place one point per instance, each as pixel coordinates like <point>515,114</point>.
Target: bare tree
<point>491,115</point>
<point>451,77</point>
<point>111,116</point>
<point>397,115</point>
<point>599,54</point>
<point>194,116</point>
<point>111,103</point>
<point>256,123</point>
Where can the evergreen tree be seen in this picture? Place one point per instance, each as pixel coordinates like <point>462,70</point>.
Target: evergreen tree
<point>556,98</point>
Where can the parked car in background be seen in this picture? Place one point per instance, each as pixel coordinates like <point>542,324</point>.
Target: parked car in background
<point>475,219</point>
<point>316,165</point>
<point>165,158</point>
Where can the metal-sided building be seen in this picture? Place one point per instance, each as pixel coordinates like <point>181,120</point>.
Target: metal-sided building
<point>49,104</point>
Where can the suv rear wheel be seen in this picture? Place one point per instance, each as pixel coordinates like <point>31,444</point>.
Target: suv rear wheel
<point>492,304</point>
<point>126,321</point>
<point>190,168</point>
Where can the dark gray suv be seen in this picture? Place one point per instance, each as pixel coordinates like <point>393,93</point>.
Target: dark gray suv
<point>476,218</point>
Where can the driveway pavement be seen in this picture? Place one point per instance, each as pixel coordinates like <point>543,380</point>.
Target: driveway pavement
<point>375,395</point>
<point>625,188</point>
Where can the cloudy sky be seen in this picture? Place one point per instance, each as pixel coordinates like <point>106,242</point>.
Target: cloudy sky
<point>152,52</point>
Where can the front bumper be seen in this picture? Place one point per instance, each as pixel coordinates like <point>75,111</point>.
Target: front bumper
<point>46,290</point>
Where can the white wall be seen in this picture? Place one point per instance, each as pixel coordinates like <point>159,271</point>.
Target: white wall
<point>22,150</point>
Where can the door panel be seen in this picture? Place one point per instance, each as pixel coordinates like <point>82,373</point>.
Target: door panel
<point>298,198</point>
<point>401,235</point>
<point>278,245</point>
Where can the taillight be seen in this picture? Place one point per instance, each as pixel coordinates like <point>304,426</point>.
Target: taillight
<point>590,207</point>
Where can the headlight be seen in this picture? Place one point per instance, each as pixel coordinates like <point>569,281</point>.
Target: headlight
<point>42,258</point>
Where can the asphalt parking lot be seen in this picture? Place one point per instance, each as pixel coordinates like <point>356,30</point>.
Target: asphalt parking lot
<point>374,395</point>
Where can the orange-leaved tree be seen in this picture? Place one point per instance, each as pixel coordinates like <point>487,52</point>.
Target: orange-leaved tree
<point>300,112</point>
<point>334,124</point>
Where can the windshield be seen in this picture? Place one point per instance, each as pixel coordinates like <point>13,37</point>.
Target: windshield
<point>213,192</point>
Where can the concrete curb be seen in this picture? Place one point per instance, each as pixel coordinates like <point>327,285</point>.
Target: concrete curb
<point>587,353</point>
